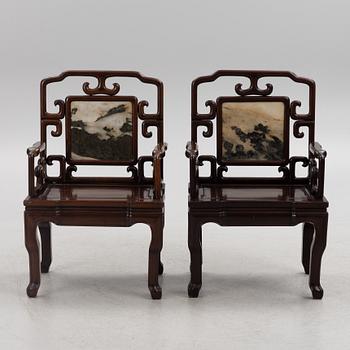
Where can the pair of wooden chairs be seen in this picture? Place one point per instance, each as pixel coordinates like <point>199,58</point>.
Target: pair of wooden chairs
<point>102,128</point>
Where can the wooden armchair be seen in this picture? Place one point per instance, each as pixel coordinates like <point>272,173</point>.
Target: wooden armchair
<point>100,129</point>
<point>253,129</point>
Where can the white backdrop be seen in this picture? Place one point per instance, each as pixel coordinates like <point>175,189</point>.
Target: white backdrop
<point>254,294</point>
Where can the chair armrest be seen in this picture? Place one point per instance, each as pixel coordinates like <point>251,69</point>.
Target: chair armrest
<point>317,172</point>
<point>158,154</point>
<point>36,149</point>
<point>159,151</point>
<point>38,171</point>
<point>191,150</point>
<point>191,153</point>
<point>317,151</point>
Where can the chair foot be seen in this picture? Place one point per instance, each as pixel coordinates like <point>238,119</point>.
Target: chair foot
<point>306,269</point>
<point>156,292</point>
<point>317,292</point>
<point>32,289</point>
<point>44,268</point>
<point>161,268</point>
<point>193,290</point>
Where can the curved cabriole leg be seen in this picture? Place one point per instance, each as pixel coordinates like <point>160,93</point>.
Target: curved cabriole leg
<point>46,251</point>
<point>308,233</point>
<point>195,247</point>
<point>317,248</point>
<point>154,259</point>
<point>32,245</point>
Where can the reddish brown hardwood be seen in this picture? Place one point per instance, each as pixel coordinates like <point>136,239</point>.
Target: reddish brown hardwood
<point>93,201</point>
<point>257,201</point>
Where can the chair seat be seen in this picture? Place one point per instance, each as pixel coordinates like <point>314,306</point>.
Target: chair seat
<point>95,195</point>
<point>243,196</point>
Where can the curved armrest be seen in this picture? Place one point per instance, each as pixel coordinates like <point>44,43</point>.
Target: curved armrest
<point>158,154</point>
<point>159,151</point>
<point>38,171</point>
<point>191,150</point>
<point>317,151</point>
<point>36,149</point>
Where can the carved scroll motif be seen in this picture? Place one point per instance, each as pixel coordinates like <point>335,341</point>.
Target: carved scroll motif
<point>141,167</point>
<point>289,172</point>
<point>301,120</point>
<point>253,88</point>
<point>213,163</point>
<point>52,119</point>
<point>62,162</point>
<point>205,119</point>
<point>149,120</point>
<point>101,88</point>
<point>55,119</point>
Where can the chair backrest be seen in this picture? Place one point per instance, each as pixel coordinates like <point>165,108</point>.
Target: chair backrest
<point>253,126</point>
<point>101,126</point>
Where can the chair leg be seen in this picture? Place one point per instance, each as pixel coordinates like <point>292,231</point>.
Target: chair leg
<point>195,247</point>
<point>308,233</point>
<point>32,246</point>
<point>46,250</point>
<point>317,248</point>
<point>161,266</point>
<point>154,265</point>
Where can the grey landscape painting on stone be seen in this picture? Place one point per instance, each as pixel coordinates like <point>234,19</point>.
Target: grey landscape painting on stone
<point>252,131</point>
<point>101,130</point>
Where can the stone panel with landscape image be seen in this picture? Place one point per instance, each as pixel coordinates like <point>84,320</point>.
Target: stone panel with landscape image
<point>253,131</point>
<point>101,130</point>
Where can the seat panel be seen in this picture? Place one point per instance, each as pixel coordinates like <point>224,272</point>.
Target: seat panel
<point>96,195</point>
<point>256,195</point>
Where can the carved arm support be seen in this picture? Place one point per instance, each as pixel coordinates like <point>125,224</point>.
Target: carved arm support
<point>317,172</point>
<point>158,154</point>
<point>39,171</point>
<point>192,154</point>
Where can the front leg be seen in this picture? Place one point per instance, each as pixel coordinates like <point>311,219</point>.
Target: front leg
<point>32,245</point>
<point>317,249</point>
<point>46,250</point>
<point>195,247</point>
<point>308,234</point>
<point>154,258</point>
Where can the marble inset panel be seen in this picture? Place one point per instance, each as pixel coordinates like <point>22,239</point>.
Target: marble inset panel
<point>253,131</point>
<point>101,131</point>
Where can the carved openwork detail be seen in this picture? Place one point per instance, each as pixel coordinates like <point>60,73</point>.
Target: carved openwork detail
<point>150,119</point>
<point>306,120</point>
<point>101,90</point>
<point>259,143</point>
<point>62,163</point>
<point>217,173</point>
<point>253,88</point>
<point>289,173</point>
<point>301,120</point>
<point>137,172</point>
<point>212,161</point>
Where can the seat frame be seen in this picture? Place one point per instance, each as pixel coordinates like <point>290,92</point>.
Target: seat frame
<point>41,213</point>
<point>314,216</point>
